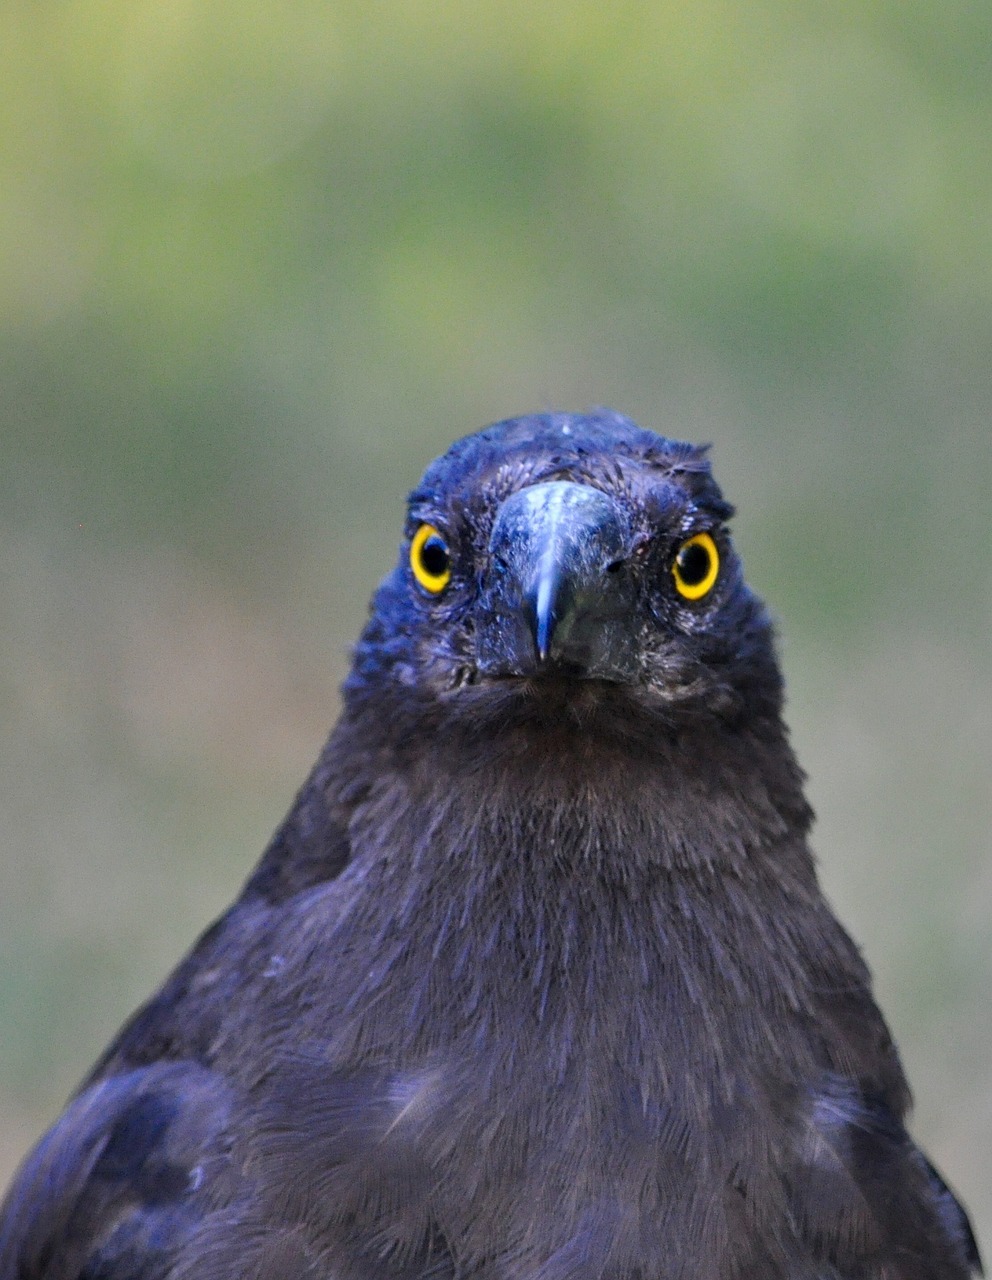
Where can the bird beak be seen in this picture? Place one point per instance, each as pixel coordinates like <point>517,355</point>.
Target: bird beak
<point>557,595</point>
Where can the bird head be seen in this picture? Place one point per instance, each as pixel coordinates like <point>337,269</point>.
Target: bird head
<point>562,563</point>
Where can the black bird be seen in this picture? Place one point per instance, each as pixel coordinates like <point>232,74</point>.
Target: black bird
<point>535,982</point>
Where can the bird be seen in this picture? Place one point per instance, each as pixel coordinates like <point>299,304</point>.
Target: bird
<point>536,980</point>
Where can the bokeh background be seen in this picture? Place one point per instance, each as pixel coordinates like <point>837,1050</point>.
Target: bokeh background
<point>259,262</point>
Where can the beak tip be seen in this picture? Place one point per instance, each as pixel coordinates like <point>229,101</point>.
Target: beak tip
<point>542,637</point>
<point>543,614</point>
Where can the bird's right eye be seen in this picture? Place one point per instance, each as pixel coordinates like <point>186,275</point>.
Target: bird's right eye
<point>430,559</point>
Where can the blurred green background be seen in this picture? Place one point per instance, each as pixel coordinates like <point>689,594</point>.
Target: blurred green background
<point>261,261</point>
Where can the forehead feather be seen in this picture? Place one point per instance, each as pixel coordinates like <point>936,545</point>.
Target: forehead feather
<point>601,448</point>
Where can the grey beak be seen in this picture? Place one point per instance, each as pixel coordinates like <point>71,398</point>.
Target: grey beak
<point>556,595</point>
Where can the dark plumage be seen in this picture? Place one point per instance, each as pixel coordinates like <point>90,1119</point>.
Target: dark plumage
<point>535,982</point>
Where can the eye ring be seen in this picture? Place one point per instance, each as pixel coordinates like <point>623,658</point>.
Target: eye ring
<point>696,566</point>
<point>430,559</point>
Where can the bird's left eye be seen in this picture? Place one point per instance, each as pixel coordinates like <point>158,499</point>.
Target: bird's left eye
<point>697,563</point>
<point>430,559</point>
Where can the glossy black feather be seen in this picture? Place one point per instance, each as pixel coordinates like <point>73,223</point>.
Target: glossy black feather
<point>535,981</point>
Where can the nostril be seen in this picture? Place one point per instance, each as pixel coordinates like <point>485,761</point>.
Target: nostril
<point>615,566</point>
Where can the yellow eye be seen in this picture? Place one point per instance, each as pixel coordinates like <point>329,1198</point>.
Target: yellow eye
<point>430,559</point>
<point>697,562</point>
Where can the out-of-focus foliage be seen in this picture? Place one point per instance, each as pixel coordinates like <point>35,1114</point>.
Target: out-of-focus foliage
<point>259,262</point>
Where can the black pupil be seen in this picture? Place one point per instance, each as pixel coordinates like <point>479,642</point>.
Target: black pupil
<point>694,564</point>
<point>434,556</point>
